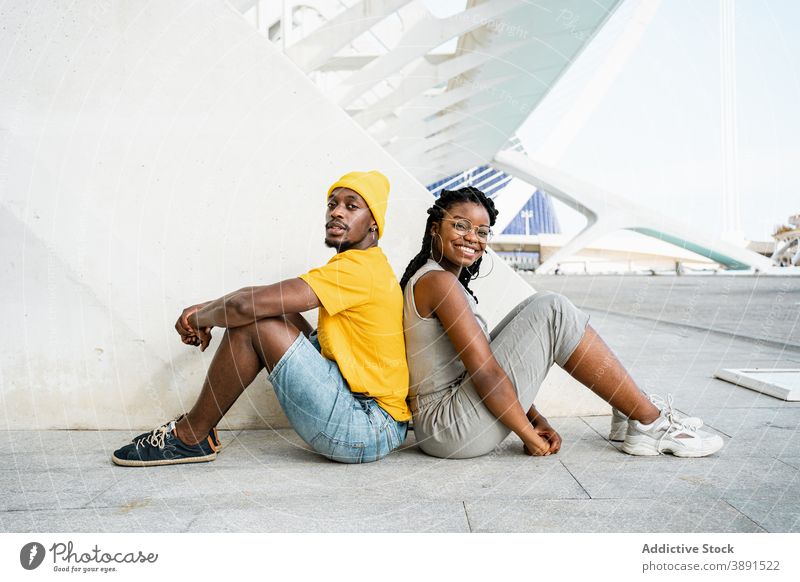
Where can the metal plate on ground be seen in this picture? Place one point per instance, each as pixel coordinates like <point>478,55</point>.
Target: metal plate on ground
<point>783,383</point>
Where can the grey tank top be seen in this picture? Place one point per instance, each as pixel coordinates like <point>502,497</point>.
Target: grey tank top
<point>433,363</point>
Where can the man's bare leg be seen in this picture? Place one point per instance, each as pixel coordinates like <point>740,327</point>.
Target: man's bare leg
<point>595,365</point>
<point>242,354</point>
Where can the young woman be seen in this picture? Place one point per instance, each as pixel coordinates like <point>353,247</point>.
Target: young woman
<point>469,388</point>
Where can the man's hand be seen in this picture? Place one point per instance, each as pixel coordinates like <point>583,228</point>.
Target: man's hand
<point>187,328</point>
<point>204,334</point>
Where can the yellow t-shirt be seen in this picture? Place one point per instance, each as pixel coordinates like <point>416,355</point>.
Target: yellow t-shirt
<point>361,325</point>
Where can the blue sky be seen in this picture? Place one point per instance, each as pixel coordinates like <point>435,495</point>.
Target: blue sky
<point>654,134</point>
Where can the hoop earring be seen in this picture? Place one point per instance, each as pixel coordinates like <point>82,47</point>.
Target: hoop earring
<point>440,238</point>
<point>491,268</point>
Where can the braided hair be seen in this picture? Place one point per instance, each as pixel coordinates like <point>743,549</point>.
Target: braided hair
<point>447,199</point>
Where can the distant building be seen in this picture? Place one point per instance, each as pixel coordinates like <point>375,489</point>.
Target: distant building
<point>786,250</point>
<point>537,216</point>
<point>484,178</point>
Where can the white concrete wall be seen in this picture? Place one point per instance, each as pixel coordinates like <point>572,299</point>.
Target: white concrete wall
<point>153,155</point>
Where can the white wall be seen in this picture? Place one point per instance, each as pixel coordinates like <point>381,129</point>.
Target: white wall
<point>153,155</point>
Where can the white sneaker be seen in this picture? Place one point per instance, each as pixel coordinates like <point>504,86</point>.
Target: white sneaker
<point>619,422</point>
<point>619,426</point>
<point>665,435</point>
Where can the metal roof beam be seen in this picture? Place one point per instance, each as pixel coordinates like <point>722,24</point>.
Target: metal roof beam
<point>435,127</point>
<point>424,106</point>
<point>418,41</point>
<point>313,51</point>
<point>426,76</point>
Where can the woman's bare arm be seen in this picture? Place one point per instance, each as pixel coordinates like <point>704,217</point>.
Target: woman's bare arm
<point>440,294</point>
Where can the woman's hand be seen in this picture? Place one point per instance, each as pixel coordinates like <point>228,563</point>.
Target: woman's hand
<point>536,446</point>
<point>548,434</point>
<point>542,428</point>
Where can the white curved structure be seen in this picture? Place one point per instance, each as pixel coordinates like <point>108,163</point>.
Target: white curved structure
<point>606,213</point>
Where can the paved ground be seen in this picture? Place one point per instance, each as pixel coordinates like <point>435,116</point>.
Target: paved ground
<point>268,481</point>
<point>766,309</point>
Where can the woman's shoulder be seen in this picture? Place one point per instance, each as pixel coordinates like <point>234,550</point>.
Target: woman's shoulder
<point>431,274</point>
<point>439,285</point>
<point>430,286</point>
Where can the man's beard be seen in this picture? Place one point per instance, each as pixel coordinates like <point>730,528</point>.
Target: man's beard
<point>339,246</point>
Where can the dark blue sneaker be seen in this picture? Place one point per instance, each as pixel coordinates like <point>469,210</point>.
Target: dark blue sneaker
<point>213,435</point>
<point>163,447</point>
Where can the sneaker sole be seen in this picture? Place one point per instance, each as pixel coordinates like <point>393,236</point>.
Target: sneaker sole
<point>696,454</point>
<point>642,449</point>
<point>131,463</point>
<point>639,450</point>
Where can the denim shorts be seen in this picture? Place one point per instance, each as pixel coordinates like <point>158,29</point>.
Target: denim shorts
<point>335,422</point>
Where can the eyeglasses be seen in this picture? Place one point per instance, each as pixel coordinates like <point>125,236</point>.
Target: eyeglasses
<point>463,226</point>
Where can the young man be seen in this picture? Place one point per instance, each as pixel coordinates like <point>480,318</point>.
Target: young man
<point>343,387</point>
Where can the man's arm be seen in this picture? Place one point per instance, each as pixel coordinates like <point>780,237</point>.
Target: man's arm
<point>250,304</point>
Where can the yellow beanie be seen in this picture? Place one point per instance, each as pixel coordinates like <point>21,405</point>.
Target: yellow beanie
<point>373,187</point>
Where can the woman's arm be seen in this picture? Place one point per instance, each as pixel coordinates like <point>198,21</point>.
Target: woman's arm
<point>439,293</point>
<point>544,429</point>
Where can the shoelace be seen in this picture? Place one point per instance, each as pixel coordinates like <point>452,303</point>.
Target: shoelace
<point>155,438</point>
<point>675,424</point>
<point>670,410</point>
<point>691,422</point>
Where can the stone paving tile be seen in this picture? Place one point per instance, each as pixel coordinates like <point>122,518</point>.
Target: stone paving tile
<point>141,516</point>
<point>791,460</point>
<point>606,515</point>
<point>265,448</point>
<point>351,513</point>
<point>206,480</point>
<point>773,515</point>
<point>52,488</point>
<point>669,477</point>
<point>249,513</point>
<point>24,463</point>
<point>522,477</point>
<point>773,441</point>
<point>710,392</point>
<point>74,441</point>
<point>734,420</point>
